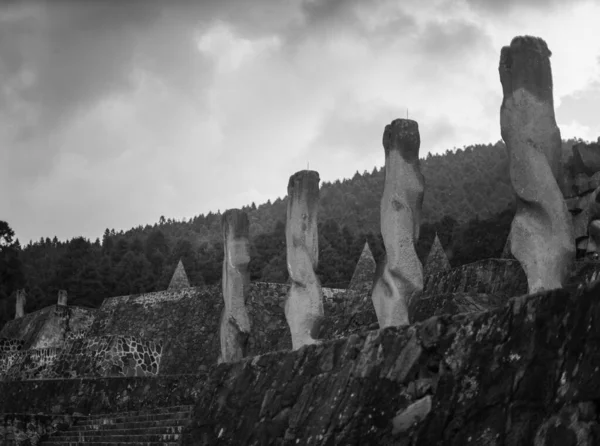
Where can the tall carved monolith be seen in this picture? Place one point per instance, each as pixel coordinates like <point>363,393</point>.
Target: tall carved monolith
<point>401,276</point>
<point>235,321</point>
<point>541,235</point>
<point>62,297</point>
<point>304,303</point>
<point>20,304</point>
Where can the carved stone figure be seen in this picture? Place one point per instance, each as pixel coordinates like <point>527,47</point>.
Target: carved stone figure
<point>235,322</point>
<point>542,237</point>
<point>401,276</point>
<point>20,305</point>
<point>62,297</point>
<point>304,303</point>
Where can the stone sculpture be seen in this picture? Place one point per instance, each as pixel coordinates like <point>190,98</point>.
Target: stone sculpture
<point>304,303</point>
<point>179,280</point>
<point>437,260</point>
<point>365,269</point>
<point>20,304</point>
<point>401,276</point>
<point>541,235</point>
<point>235,322</point>
<point>62,297</point>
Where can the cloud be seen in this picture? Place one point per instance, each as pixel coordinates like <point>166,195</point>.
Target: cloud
<point>114,113</point>
<point>582,106</point>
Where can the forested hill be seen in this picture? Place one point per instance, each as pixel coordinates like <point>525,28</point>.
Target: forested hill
<point>468,201</point>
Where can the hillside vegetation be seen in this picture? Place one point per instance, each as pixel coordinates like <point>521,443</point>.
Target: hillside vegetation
<point>468,202</point>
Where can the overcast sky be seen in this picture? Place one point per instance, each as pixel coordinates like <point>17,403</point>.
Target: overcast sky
<point>113,113</point>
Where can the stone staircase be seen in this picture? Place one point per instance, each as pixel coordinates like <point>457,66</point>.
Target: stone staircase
<point>162,426</point>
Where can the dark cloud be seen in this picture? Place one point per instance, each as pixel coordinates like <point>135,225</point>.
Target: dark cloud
<point>496,7</point>
<point>357,132</point>
<point>80,51</point>
<point>446,39</point>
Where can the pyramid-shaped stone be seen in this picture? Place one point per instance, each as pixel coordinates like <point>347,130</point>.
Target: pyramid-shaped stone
<point>506,252</point>
<point>365,269</point>
<point>179,279</point>
<point>437,261</point>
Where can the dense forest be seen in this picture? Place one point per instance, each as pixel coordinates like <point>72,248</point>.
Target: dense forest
<point>468,202</point>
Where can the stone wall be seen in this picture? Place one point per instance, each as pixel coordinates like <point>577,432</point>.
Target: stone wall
<point>88,357</point>
<point>523,373</point>
<point>49,327</point>
<point>186,321</point>
<point>490,276</point>
<point>85,396</point>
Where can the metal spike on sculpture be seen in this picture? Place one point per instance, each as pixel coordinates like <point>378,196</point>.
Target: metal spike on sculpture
<point>179,279</point>
<point>235,322</point>
<point>20,304</point>
<point>401,276</point>
<point>304,303</point>
<point>437,261</point>
<point>62,297</point>
<point>542,237</point>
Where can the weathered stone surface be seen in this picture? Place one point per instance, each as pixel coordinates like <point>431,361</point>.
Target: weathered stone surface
<point>304,305</point>
<point>365,269</point>
<point>62,297</point>
<point>235,322</point>
<point>455,303</point>
<point>586,158</point>
<point>542,232</point>
<point>50,326</point>
<point>24,429</point>
<point>401,277</point>
<point>489,276</point>
<point>179,280</point>
<point>437,261</point>
<point>20,304</point>
<point>522,373</point>
<point>97,396</point>
<point>506,253</point>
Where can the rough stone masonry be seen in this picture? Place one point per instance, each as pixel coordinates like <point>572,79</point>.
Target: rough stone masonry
<point>235,322</point>
<point>542,237</point>
<point>401,277</point>
<point>304,303</point>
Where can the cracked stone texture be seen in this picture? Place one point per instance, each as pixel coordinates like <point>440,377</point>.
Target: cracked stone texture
<point>542,237</point>
<point>586,158</point>
<point>365,269</point>
<point>49,327</point>
<point>523,372</point>
<point>180,279</point>
<point>304,304</point>
<point>437,260</point>
<point>400,277</point>
<point>235,322</point>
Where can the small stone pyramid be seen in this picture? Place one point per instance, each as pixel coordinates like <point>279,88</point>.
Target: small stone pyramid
<point>506,252</point>
<point>179,279</point>
<point>437,261</point>
<point>365,269</point>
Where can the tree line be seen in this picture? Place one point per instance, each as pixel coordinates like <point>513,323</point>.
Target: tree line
<point>468,202</point>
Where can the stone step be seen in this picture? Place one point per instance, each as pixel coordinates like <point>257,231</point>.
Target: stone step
<point>158,410</point>
<point>137,430</point>
<point>104,443</point>
<point>113,419</point>
<point>136,425</point>
<point>126,438</point>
